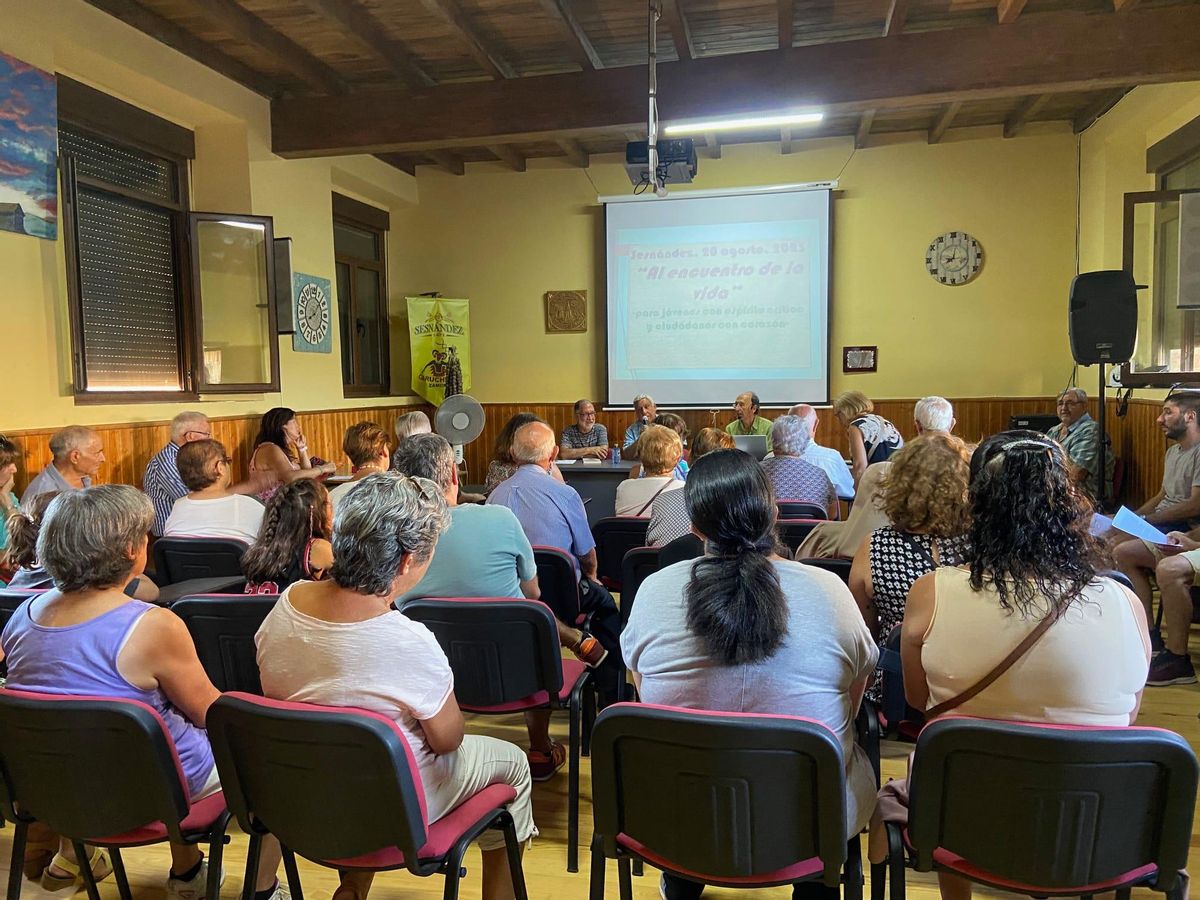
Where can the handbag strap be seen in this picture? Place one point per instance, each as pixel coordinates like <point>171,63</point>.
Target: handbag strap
<point>642,511</point>
<point>1005,664</point>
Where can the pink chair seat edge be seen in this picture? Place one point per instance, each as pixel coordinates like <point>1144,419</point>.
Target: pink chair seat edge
<point>572,670</point>
<point>201,816</point>
<point>804,868</point>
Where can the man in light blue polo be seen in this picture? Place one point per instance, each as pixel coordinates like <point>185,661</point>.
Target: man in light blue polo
<point>645,410</point>
<point>78,453</point>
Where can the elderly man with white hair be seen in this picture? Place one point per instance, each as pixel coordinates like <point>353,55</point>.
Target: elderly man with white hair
<point>78,453</point>
<point>825,458</point>
<point>791,477</point>
<point>1079,435</point>
<point>645,410</point>
<point>933,414</point>
<point>162,482</point>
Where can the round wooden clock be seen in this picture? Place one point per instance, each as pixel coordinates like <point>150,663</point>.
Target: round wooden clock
<point>312,313</point>
<point>954,258</point>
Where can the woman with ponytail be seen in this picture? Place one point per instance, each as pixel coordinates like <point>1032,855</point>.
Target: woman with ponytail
<point>743,630</point>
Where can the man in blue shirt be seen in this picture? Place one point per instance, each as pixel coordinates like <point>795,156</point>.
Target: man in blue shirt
<point>162,482</point>
<point>552,515</point>
<point>643,407</point>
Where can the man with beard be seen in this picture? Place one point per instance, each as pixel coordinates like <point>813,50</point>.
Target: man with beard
<point>1175,508</point>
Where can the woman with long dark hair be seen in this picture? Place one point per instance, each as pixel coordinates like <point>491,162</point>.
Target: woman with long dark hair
<point>282,450</point>
<point>294,540</point>
<point>1032,568</point>
<point>743,630</point>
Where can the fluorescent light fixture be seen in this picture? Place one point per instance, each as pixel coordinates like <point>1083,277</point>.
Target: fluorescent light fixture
<point>773,121</point>
<point>252,226</point>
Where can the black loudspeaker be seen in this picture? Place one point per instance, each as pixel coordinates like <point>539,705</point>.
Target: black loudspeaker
<point>1102,317</point>
<point>285,309</point>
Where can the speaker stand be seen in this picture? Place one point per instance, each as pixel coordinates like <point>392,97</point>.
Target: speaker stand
<point>1102,498</point>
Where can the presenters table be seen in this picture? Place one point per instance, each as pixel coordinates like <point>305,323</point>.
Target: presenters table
<point>597,485</point>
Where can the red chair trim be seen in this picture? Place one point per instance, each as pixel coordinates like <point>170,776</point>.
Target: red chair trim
<point>572,671</point>
<point>805,868</point>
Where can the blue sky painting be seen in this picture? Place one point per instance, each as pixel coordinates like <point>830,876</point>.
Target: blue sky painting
<point>28,149</point>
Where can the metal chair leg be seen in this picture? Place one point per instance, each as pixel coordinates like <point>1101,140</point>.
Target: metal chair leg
<point>216,858</point>
<point>852,872</point>
<point>513,846</point>
<point>119,875</point>
<point>638,869</point>
<point>85,870</point>
<point>454,872</point>
<point>293,873</point>
<point>896,862</point>
<point>589,716</point>
<point>596,891</point>
<point>253,853</point>
<point>573,792</point>
<point>878,880</point>
<point>623,876</point>
<point>21,832</point>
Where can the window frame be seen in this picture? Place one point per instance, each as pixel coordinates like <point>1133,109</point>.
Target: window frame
<point>362,216</point>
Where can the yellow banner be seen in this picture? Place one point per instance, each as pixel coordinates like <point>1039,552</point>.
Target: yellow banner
<point>440,339</point>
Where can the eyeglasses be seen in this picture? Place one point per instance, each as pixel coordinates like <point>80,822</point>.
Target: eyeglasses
<point>203,434</point>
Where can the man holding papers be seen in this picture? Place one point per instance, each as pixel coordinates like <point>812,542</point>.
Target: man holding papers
<point>1175,508</point>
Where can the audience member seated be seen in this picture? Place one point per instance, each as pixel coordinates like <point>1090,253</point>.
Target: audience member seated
<point>661,451</point>
<point>668,513</point>
<point>78,453</point>
<point>1176,574</point>
<point>503,463</point>
<point>872,438</point>
<point>791,477</point>
<point>644,411</point>
<point>925,499</point>
<point>679,425</point>
<point>87,637</point>
<point>1031,561</point>
<point>410,423</point>
<point>9,454</point>
<point>339,642</point>
<point>210,509</point>
<point>933,414</point>
<point>834,540</point>
<point>586,439</point>
<point>281,450</point>
<point>748,420</point>
<point>826,458</point>
<point>484,553</point>
<point>294,541</point>
<point>21,557</point>
<point>161,481</point>
<point>552,515</point>
<point>1176,507</point>
<point>741,630</point>
<point>366,445</point>
<point>1079,435</point>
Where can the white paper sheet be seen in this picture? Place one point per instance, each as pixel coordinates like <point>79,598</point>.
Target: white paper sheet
<point>1131,523</point>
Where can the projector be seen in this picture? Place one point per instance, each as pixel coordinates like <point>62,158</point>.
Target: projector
<point>676,161</point>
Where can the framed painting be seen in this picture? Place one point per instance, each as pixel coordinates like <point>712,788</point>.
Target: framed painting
<point>28,149</point>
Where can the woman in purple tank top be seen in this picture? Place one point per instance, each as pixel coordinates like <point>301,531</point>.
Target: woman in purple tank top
<point>87,637</point>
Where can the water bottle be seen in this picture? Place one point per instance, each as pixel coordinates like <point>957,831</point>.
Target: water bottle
<point>616,454</point>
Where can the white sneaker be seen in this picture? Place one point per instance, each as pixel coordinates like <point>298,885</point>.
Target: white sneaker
<point>194,888</point>
<point>282,892</point>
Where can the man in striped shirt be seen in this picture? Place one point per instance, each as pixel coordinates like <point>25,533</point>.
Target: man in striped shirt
<point>162,483</point>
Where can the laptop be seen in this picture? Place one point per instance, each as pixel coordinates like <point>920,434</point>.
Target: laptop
<point>754,444</point>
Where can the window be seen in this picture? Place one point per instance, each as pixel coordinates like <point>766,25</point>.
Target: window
<point>360,252</point>
<point>1168,346</point>
<point>139,330</point>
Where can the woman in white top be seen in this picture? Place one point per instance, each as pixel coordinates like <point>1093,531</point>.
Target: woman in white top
<point>742,630</point>
<point>210,509</point>
<point>339,642</point>
<point>661,449</point>
<point>1030,557</point>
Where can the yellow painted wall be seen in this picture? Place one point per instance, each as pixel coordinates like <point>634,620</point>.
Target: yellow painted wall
<point>503,239</point>
<point>233,172</point>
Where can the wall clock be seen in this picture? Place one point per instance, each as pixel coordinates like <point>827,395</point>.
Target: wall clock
<point>311,297</point>
<point>954,258</point>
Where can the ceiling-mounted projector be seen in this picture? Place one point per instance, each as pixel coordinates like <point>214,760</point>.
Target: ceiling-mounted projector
<point>676,161</point>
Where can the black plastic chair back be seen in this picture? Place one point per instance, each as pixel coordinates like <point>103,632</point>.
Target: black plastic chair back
<point>287,768</point>
<point>500,650</point>
<point>793,531</point>
<point>615,536</point>
<point>89,767</point>
<point>725,795</point>
<point>637,564</point>
<point>558,582</point>
<point>686,547</point>
<point>181,559</point>
<point>798,509</point>
<point>838,566</point>
<point>10,600</point>
<point>222,627</point>
<point>1056,807</point>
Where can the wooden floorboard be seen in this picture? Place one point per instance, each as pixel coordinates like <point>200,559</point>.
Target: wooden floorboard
<point>545,864</point>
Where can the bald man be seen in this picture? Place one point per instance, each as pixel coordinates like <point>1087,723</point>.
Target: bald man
<point>825,457</point>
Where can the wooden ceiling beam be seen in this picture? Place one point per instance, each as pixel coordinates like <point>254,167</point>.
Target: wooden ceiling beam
<point>1007,11</point>
<point>681,32</point>
<point>490,61</point>
<point>365,30</point>
<point>447,161</point>
<point>583,51</point>
<point>396,161</point>
<point>576,155</point>
<point>787,22</point>
<point>1023,113</point>
<point>177,38</point>
<point>944,120</point>
<point>1049,53</point>
<point>508,155</point>
<point>1089,114</point>
<point>896,15</point>
<point>865,121</point>
<point>250,29</point>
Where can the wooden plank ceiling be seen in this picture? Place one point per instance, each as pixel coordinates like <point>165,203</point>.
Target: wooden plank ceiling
<point>447,82</point>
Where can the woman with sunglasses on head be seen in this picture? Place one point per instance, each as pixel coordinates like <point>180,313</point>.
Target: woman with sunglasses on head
<point>1031,581</point>
<point>294,541</point>
<point>210,509</point>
